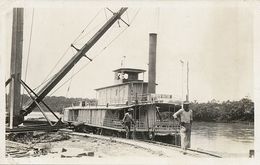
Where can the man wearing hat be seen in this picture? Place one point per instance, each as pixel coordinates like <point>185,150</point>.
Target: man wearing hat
<point>127,121</point>
<point>185,115</point>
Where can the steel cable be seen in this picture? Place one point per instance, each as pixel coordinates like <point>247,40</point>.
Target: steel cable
<point>28,55</point>
<point>63,55</point>
<point>96,54</point>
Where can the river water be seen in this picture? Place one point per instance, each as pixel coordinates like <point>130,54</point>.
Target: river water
<point>224,139</point>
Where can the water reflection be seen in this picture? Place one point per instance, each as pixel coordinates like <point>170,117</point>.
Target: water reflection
<point>231,138</point>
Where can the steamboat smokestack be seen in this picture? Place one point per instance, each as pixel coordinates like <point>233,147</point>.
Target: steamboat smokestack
<point>152,62</point>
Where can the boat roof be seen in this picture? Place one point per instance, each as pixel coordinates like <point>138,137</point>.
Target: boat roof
<point>135,82</point>
<point>129,70</point>
<point>112,107</point>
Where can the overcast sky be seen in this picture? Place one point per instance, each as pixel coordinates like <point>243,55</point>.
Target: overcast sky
<point>216,40</point>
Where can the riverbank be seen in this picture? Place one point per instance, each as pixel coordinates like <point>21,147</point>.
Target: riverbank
<point>82,145</point>
<point>226,139</point>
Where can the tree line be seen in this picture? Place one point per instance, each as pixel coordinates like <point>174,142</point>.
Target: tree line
<point>58,103</point>
<point>226,111</point>
<point>212,111</point>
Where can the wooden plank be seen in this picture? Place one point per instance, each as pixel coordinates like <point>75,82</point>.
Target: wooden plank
<point>105,127</point>
<point>16,144</point>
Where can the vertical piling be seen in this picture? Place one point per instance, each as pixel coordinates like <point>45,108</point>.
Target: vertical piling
<point>16,68</point>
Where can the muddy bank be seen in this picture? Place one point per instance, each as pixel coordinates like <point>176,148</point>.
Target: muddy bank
<point>27,144</point>
<point>37,137</point>
<point>87,146</point>
<point>62,145</point>
<point>67,144</point>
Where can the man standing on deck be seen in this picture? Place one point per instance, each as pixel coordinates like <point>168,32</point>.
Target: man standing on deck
<point>186,121</point>
<point>127,121</point>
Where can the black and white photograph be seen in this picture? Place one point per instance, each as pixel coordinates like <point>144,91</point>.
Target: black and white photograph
<point>165,81</point>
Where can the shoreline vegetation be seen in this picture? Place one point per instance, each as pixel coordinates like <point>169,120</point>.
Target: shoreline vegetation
<point>212,111</point>
<point>225,112</point>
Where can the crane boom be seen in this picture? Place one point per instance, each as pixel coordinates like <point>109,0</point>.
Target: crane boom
<point>30,105</point>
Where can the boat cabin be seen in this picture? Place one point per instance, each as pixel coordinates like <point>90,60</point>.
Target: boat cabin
<point>128,88</point>
<point>152,112</point>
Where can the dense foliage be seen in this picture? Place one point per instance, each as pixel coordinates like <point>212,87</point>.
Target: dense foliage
<point>227,111</point>
<point>213,111</point>
<point>57,103</point>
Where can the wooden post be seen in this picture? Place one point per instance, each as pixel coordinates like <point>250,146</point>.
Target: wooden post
<point>187,96</point>
<point>148,129</point>
<point>16,68</point>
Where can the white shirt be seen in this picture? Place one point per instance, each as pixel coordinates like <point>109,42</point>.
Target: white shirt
<point>127,117</point>
<point>186,117</point>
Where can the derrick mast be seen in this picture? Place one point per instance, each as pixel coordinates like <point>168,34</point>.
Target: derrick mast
<point>16,109</point>
<point>14,98</point>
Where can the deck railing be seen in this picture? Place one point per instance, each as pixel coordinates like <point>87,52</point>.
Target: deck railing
<point>158,126</point>
<point>137,98</point>
<point>148,97</point>
<point>118,124</point>
<point>166,125</point>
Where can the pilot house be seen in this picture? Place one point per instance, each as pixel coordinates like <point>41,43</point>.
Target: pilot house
<point>127,89</point>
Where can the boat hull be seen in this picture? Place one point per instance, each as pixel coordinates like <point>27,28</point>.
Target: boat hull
<point>152,121</point>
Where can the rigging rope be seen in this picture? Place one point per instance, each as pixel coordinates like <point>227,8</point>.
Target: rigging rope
<point>87,26</point>
<point>83,36</point>
<point>68,89</point>
<point>28,55</point>
<point>96,54</point>
<point>36,88</point>
<point>29,48</point>
<point>105,11</point>
<point>62,56</point>
<point>127,16</point>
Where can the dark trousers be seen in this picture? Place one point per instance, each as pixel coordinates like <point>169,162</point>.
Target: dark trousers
<point>127,128</point>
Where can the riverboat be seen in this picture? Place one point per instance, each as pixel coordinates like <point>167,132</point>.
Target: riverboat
<point>152,113</point>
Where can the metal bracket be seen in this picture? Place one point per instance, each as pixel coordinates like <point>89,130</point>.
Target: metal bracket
<point>87,57</point>
<point>8,81</point>
<point>79,50</point>
<point>74,47</point>
<point>119,17</point>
